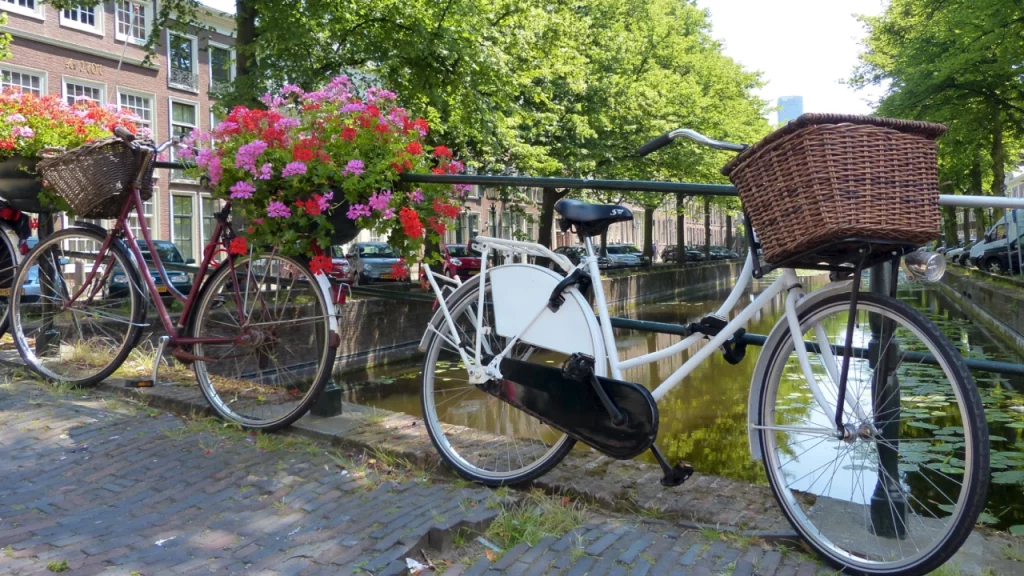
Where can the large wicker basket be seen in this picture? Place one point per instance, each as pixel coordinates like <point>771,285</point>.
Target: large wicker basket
<point>96,178</point>
<point>825,178</point>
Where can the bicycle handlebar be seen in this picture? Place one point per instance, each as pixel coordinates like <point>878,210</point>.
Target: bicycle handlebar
<point>129,138</point>
<point>667,138</point>
<point>123,133</point>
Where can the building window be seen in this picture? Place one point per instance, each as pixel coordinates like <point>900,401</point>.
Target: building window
<point>27,7</point>
<point>88,19</point>
<point>208,207</point>
<point>23,80</point>
<point>222,66</point>
<point>181,56</point>
<point>75,90</point>
<point>141,105</point>
<point>147,212</point>
<point>183,120</point>
<point>181,224</point>
<point>131,21</point>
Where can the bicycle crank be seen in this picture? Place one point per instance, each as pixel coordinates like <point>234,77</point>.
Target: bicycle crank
<point>575,407</point>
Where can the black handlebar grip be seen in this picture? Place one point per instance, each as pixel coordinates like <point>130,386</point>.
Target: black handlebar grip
<point>123,133</point>
<point>656,144</point>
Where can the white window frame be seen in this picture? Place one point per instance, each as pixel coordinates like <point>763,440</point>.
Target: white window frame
<point>192,196</point>
<point>12,6</point>
<point>153,202</point>
<point>170,128</point>
<point>5,67</point>
<point>102,86</point>
<point>96,28</point>
<point>152,103</point>
<point>148,17</point>
<point>209,58</point>
<point>202,216</point>
<point>195,61</point>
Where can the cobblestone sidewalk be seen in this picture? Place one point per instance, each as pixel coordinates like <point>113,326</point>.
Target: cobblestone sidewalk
<point>92,484</point>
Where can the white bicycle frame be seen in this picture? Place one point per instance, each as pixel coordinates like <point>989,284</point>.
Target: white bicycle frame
<point>786,282</point>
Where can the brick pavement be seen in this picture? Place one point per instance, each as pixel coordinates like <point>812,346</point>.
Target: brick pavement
<point>142,492</point>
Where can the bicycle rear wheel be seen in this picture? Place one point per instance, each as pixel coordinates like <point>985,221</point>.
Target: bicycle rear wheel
<point>902,490</point>
<point>483,438</point>
<point>8,270</point>
<point>280,355</point>
<point>85,316</point>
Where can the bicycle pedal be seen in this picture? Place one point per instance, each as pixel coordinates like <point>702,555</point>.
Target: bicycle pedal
<point>680,473</point>
<point>138,384</point>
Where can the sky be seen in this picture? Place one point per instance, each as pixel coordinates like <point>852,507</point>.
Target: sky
<point>801,47</point>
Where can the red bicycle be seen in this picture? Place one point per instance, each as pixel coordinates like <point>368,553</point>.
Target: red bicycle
<point>259,329</point>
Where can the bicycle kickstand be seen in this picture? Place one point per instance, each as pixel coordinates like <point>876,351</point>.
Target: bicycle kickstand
<point>674,475</point>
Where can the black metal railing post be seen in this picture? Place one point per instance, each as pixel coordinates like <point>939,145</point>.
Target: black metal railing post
<point>888,506</point>
<point>47,274</point>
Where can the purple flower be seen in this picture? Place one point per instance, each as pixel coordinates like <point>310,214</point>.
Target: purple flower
<point>226,126</point>
<point>242,189</point>
<point>288,123</point>
<point>266,172</point>
<point>293,169</point>
<point>187,153</point>
<point>291,89</point>
<point>358,210</point>
<point>324,202</point>
<point>397,116</point>
<point>416,196</point>
<point>203,157</point>
<point>375,94</point>
<point>462,189</point>
<point>22,132</point>
<point>248,153</point>
<point>353,107</point>
<point>278,210</point>
<point>216,170</point>
<point>380,200</point>
<point>354,167</point>
<point>271,101</point>
<point>388,214</point>
<point>15,118</point>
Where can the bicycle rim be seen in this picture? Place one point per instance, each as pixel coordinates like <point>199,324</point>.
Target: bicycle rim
<point>280,357</point>
<point>482,437</point>
<point>902,492</point>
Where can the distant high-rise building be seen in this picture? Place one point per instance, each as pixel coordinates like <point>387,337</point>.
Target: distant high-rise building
<point>790,107</point>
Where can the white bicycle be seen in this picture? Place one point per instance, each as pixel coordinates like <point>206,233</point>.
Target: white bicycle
<point>869,425</point>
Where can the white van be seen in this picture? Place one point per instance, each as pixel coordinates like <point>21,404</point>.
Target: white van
<point>992,253</point>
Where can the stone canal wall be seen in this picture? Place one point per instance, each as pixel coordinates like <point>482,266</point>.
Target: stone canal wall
<point>993,301</point>
<point>381,330</point>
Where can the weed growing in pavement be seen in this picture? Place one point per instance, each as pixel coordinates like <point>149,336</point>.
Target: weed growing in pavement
<point>57,565</point>
<point>139,364</point>
<point>1013,552</point>
<point>8,550</point>
<point>534,516</point>
<point>947,569</point>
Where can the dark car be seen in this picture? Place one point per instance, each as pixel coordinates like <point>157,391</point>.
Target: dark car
<point>690,254</point>
<point>341,270</point>
<point>460,260</point>
<point>375,262</point>
<point>117,285</point>
<point>576,253</point>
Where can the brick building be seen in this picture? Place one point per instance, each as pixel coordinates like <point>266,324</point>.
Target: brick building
<point>75,54</point>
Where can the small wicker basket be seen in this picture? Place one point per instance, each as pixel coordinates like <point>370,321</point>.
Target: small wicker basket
<point>96,178</point>
<point>824,178</point>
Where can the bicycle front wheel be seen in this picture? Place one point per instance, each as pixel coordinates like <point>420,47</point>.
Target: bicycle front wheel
<point>901,490</point>
<point>79,317</point>
<point>275,355</point>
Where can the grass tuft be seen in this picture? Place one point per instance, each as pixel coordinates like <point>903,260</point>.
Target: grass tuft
<point>533,517</point>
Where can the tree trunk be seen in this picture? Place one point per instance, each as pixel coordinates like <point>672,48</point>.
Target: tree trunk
<point>998,160</point>
<point>728,232</point>
<point>949,225</point>
<point>976,186</point>
<point>245,57</point>
<point>967,224</point>
<point>649,233</point>
<point>604,244</point>
<point>707,227</point>
<point>680,227</point>
<point>545,236</point>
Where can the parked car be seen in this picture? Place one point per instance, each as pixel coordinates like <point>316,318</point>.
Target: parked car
<point>30,289</point>
<point>341,270</point>
<point>630,249</point>
<point>957,254</point>
<point>460,260</point>
<point>990,253</point>
<point>575,253</point>
<point>373,262</point>
<point>690,254</point>
<point>622,256</point>
<point>117,285</point>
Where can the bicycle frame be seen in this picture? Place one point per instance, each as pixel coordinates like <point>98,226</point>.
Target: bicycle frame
<point>787,282</point>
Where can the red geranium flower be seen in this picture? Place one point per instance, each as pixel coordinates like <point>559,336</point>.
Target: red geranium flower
<point>321,264</point>
<point>349,133</point>
<point>302,154</point>
<point>238,246</point>
<point>399,270</point>
<point>442,152</point>
<point>414,148</point>
<point>411,224</point>
<point>312,206</point>
<point>421,124</point>
<point>372,111</point>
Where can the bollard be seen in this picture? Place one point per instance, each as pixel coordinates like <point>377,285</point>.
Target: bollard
<point>888,505</point>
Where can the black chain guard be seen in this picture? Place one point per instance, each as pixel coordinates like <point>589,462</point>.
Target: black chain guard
<point>574,407</point>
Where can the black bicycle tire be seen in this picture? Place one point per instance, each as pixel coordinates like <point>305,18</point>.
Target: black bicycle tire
<point>134,288</point>
<point>974,413</point>
<point>528,476</point>
<point>202,300</point>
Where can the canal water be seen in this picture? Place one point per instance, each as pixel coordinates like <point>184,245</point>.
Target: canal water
<point>703,420</point>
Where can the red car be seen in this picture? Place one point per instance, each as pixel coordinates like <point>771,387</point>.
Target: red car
<point>460,260</point>
<point>341,270</point>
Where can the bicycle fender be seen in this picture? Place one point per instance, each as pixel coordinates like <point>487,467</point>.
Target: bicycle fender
<point>778,332</point>
<point>325,289</point>
<point>552,330</point>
